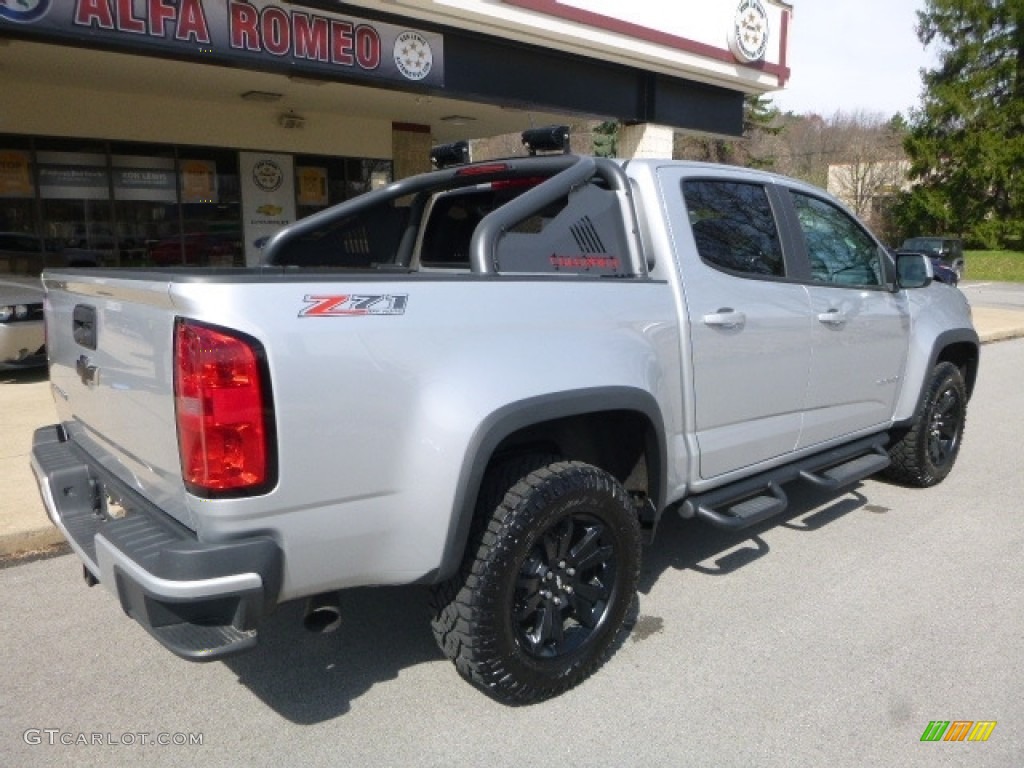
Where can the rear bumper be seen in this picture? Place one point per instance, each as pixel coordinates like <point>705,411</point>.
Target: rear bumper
<point>202,601</point>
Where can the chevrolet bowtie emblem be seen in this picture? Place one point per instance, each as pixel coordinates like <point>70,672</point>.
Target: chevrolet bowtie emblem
<point>89,374</point>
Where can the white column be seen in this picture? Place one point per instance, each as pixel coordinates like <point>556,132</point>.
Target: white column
<point>645,140</point>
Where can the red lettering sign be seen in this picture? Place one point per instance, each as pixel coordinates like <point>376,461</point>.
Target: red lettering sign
<point>90,13</point>
<point>159,14</point>
<point>260,28</point>
<point>192,22</point>
<point>341,43</point>
<point>277,32</point>
<point>244,22</point>
<point>311,36</point>
<point>126,21</point>
<point>367,47</point>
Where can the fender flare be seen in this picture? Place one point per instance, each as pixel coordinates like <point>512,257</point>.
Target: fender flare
<point>536,410</point>
<point>943,341</point>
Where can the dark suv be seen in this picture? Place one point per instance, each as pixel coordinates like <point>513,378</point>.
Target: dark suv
<point>949,251</point>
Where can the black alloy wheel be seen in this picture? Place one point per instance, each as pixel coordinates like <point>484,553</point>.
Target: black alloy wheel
<point>565,585</point>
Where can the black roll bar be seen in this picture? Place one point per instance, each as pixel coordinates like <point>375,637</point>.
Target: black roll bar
<point>567,172</point>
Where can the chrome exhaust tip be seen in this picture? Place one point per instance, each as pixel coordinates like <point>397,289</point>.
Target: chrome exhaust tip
<point>323,613</point>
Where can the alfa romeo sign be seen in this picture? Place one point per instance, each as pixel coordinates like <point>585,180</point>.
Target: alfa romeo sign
<point>274,35</point>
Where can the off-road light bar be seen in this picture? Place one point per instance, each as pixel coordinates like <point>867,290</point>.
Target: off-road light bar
<point>552,138</point>
<point>447,155</point>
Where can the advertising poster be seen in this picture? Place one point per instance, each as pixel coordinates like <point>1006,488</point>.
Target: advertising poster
<point>268,198</point>
<point>312,186</point>
<point>15,174</point>
<point>198,181</point>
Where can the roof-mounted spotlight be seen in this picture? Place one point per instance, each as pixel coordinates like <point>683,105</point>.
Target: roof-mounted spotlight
<point>447,155</point>
<point>551,138</point>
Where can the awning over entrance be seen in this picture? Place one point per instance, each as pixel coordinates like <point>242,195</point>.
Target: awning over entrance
<point>440,66</point>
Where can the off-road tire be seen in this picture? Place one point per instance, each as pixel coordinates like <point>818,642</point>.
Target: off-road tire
<point>925,453</point>
<point>547,583</point>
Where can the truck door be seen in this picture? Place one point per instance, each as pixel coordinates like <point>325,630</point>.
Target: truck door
<point>749,323</point>
<point>860,330</point>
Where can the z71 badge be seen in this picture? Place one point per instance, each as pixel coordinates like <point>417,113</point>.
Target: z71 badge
<point>355,305</point>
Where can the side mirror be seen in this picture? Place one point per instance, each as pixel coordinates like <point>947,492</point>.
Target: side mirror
<point>914,270</point>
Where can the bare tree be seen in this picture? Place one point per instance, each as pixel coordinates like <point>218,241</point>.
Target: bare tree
<point>868,160</point>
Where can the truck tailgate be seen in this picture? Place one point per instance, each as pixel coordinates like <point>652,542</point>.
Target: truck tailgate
<point>109,341</point>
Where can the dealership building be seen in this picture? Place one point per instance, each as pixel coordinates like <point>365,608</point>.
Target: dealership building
<point>143,132</point>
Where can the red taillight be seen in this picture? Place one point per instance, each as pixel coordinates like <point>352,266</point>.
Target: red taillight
<point>220,400</point>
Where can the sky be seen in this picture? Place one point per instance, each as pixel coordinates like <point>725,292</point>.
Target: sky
<point>854,56</point>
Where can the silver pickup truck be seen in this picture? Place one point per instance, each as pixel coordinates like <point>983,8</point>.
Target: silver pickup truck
<point>492,380</point>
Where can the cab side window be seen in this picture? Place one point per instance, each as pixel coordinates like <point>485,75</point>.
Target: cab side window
<point>733,227</point>
<point>840,251</point>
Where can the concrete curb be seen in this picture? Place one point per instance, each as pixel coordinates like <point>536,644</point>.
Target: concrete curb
<point>33,545</point>
<point>1007,335</point>
<point>998,324</point>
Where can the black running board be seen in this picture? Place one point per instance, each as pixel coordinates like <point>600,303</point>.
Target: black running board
<point>848,472</point>
<point>758,498</point>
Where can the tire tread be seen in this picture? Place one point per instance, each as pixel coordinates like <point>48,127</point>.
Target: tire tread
<point>466,602</point>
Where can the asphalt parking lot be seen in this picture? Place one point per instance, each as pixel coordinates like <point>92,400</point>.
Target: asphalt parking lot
<point>832,636</point>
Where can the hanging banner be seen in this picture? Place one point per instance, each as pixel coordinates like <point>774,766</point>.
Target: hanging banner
<point>150,179</point>
<point>268,198</point>
<point>268,35</point>
<point>15,174</point>
<point>73,176</point>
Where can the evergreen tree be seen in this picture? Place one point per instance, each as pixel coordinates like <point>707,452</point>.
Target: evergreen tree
<point>966,143</point>
<point>606,139</point>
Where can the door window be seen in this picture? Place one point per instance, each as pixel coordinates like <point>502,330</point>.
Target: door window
<point>733,227</point>
<point>840,251</point>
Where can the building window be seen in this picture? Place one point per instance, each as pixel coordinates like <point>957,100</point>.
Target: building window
<point>132,204</point>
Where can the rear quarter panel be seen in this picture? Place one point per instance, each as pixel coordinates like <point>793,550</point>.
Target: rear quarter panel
<point>375,414</point>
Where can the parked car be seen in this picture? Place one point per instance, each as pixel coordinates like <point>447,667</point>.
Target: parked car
<point>947,251</point>
<point>21,322</point>
<point>23,253</point>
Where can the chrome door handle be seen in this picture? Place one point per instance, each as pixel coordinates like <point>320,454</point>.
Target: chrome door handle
<point>832,317</point>
<point>726,317</point>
